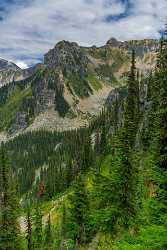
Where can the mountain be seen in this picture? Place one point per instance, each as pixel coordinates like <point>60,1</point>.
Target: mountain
<point>10,72</point>
<point>7,71</point>
<point>98,187</point>
<point>101,186</point>
<point>71,85</point>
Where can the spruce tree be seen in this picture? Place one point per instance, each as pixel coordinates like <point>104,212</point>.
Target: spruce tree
<point>48,234</point>
<point>161,120</point>
<point>79,211</point>
<point>9,207</point>
<point>125,147</point>
<point>132,105</point>
<point>38,236</point>
<point>29,230</point>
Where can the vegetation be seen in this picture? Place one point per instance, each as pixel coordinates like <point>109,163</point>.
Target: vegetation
<point>101,187</point>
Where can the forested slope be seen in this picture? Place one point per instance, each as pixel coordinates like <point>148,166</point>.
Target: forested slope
<point>101,187</point>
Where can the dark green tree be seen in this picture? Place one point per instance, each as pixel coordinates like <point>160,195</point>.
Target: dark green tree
<point>48,234</point>
<point>38,234</point>
<point>29,230</point>
<point>9,206</point>
<point>79,211</point>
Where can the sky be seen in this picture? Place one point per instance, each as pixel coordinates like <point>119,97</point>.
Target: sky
<point>29,28</point>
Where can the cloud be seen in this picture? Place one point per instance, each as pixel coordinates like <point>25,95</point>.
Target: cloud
<point>21,64</point>
<point>30,30</point>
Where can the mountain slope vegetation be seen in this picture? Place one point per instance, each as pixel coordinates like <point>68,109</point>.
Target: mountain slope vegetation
<point>98,187</point>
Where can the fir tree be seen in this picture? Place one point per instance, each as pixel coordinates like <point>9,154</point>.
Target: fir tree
<point>132,105</point>
<point>9,206</point>
<point>161,121</point>
<point>38,236</point>
<point>29,230</point>
<point>48,234</point>
<point>79,211</point>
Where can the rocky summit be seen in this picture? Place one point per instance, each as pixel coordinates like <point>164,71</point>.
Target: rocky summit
<point>71,86</point>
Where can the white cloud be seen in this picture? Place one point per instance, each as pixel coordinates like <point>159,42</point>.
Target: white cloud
<point>30,31</point>
<point>21,64</point>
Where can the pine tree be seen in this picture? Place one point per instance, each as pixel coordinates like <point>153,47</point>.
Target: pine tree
<point>9,206</point>
<point>124,149</point>
<point>132,105</point>
<point>163,106</point>
<point>79,210</point>
<point>38,236</point>
<point>161,120</point>
<point>48,234</point>
<point>29,230</point>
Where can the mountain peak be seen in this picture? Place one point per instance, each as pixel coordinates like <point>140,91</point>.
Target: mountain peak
<point>113,42</point>
<point>67,56</point>
<point>4,64</point>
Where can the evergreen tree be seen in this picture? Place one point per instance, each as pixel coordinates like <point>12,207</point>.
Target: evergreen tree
<point>48,234</point>
<point>38,236</point>
<point>124,149</point>
<point>9,207</point>
<point>132,105</point>
<point>29,230</point>
<point>161,120</point>
<point>79,211</point>
<point>127,137</point>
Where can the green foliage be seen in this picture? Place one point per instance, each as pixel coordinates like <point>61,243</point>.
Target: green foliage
<point>38,235</point>
<point>29,230</point>
<point>61,104</point>
<point>106,72</point>
<point>93,81</point>
<point>78,212</point>
<point>113,173</point>
<point>9,207</point>
<point>9,110</point>
<point>79,85</point>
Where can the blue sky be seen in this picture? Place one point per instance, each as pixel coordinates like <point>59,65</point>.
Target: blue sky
<point>29,28</point>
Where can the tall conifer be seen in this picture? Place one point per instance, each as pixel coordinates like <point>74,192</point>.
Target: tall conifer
<point>9,207</point>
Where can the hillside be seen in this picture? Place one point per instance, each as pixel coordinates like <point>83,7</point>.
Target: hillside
<point>71,86</point>
<point>98,187</point>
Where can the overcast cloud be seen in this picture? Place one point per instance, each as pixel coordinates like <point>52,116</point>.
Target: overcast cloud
<point>29,28</point>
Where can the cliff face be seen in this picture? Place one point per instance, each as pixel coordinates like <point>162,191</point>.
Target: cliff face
<point>71,85</point>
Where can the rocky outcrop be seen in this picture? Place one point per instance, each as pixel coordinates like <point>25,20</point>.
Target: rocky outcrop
<point>69,57</point>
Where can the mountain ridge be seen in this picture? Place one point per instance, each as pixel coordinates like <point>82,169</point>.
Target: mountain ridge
<point>73,82</point>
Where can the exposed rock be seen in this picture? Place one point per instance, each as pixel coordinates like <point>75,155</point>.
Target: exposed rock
<point>20,122</point>
<point>69,57</point>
